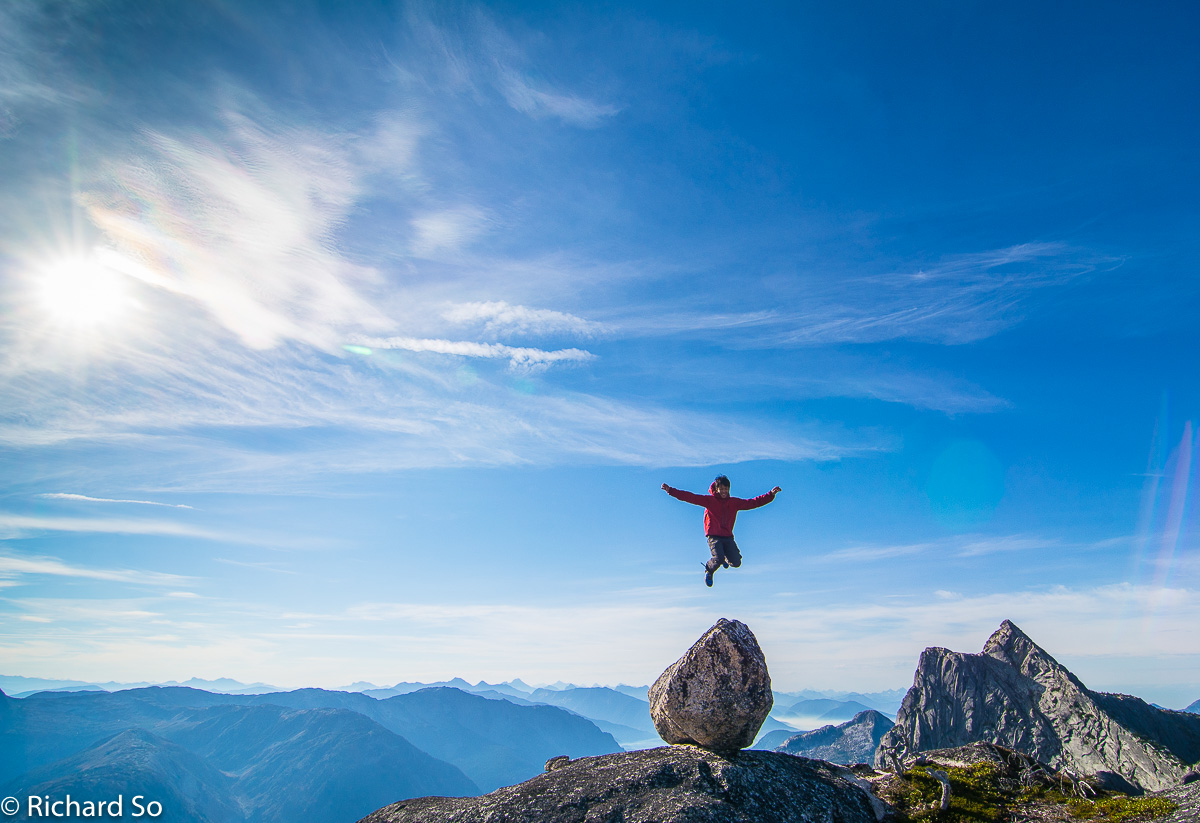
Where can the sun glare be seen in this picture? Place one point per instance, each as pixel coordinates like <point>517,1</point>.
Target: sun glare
<point>81,292</point>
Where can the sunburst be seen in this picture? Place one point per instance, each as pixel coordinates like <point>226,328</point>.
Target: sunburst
<point>81,292</point>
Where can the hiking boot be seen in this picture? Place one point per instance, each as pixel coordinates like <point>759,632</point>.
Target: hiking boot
<point>724,564</point>
<point>707,577</point>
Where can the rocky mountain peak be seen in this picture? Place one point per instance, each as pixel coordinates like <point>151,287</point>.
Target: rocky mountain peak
<point>1014,694</point>
<point>1011,646</point>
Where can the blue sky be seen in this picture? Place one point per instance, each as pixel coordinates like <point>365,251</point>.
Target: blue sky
<point>348,344</point>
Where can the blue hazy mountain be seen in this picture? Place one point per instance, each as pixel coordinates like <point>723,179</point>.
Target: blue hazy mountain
<point>130,764</point>
<point>771,726</point>
<point>329,763</point>
<point>627,718</point>
<point>1194,708</point>
<point>825,709</point>
<point>494,742</point>
<point>514,688</point>
<point>16,686</point>
<point>773,739</point>
<point>640,692</point>
<point>887,702</point>
<point>322,764</point>
<point>854,741</point>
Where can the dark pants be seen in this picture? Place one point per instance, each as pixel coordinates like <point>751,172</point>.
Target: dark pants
<point>724,550</point>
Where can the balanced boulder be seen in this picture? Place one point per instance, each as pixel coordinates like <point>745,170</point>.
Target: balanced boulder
<point>718,694</point>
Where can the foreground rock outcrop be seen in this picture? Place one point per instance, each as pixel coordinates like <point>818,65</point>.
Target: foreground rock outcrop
<point>988,782</point>
<point>854,741</point>
<point>1017,696</point>
<point>664,784</point>
<point>718,694</point>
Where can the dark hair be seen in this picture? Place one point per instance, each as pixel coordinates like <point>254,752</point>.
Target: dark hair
<point>721,480</point>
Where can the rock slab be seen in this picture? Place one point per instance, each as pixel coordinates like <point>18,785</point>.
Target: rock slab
<point>1016,695</point>
<point>664,784</point>
<point>718,694</point>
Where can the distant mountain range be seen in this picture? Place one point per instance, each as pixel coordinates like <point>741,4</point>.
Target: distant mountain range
<point>854,741</point>
<point>824,710</point>
<point>622,711</point>
<point>221,758</point>
<point>237,753</point>
<point>17,686</point>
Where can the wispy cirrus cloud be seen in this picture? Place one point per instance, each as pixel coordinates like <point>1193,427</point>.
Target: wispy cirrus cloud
<point>500,317</point>
<point>20,525</point>
<point>469,51</point>
<point>964,546</point>
<point>1009,543</point>
<point>856,553</point>
<point>12,566</point>
<point>519,358</point>
<point>524,96</point>
<point>446,230</point>
<point>85,499</point>
<point>244,226</point>
<point>957,300</point>
<point>30,76</point>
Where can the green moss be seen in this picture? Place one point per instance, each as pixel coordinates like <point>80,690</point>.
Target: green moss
<point>980,795</point>
<point>1120,809</point>
<point>975,796</point>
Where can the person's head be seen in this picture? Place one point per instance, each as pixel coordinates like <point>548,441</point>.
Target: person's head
<point>721,485</point>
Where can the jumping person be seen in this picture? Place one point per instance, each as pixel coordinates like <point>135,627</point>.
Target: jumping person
<point>720,510</point>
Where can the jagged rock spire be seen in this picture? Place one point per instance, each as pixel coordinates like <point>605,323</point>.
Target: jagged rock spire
<point>1016,695</point>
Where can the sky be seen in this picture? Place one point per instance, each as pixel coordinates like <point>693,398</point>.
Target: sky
<point>353,342</point>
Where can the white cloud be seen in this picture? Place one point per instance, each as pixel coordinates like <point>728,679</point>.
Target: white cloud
<point>30,74</point>
<point>520,359</point>
<point>1011,543</point>
<point>447,230</point>
<point>86,499</point>
<point>877,552</point>
<point>964,546</point>
<point>521,94</point>
<point>500,317</point>
<point>244,225</point>
<point>11,566</point>
<point>961,299</point>
<point>475,55</point>
<point>392,146</point>
<point>18,525</point>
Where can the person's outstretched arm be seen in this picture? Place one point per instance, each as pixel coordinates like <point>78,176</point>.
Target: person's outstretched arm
<point>761,500</point>
<point>686,497</point>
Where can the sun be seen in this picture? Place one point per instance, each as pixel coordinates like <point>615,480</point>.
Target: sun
<point>81,292</point>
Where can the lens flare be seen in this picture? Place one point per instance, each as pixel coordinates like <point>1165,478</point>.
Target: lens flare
<point>1165,521</point>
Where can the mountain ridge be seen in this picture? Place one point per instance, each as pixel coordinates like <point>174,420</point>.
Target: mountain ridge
<point>1014,694</point>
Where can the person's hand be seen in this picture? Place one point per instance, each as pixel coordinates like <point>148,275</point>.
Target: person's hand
<point>665,487</point>
<point>776,490</point>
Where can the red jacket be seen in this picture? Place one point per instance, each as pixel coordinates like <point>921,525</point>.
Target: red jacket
<point>719,514</point>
